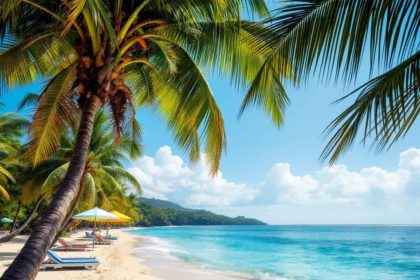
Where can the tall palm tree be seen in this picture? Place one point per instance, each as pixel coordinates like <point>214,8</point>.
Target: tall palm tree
<point>333,36</point>
<point>123,55</point>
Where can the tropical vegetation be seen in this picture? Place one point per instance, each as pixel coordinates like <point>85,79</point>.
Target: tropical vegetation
<point>102,60</point>
<point>11,129</point>
<point>155,212</point>
<point>105,182</point>
<point>123,55</point>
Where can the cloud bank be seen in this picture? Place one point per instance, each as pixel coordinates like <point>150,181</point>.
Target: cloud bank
<point>167,176</point>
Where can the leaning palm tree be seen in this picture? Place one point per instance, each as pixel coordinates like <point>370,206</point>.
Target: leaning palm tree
<point>333,36</point>
<point>104,180</point>
<point>124,55</point>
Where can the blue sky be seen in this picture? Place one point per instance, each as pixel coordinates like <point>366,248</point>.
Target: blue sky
<point>274,174</point>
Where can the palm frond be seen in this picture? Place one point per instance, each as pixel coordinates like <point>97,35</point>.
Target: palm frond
<point>331,35</point>
<point>387,107</point>
<point>7,174</point>
<point>134,139</point>
<point>187,104</point>
<point>30,99</point>
<point>22,61</point>
<point>88,189</point>
<point>54,179</point>
<point>55,111</point>
<point>75,10</point>
<point>3,193</point>
<point>123,176</point>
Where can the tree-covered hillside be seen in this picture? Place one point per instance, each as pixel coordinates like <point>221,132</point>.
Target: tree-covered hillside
<point>157,212</point>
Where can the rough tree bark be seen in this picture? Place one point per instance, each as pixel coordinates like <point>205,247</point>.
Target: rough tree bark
<point>14,233</point>
<point>26,265</point>
<point>68,217</point>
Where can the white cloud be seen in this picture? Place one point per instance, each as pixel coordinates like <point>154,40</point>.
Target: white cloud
<point>287,186</point>
<point>167,176</point>
<point>410,160</point>
<point>337,183</point>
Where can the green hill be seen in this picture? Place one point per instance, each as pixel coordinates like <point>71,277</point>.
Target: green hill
<point>163,204</point>
<point>158,212</point>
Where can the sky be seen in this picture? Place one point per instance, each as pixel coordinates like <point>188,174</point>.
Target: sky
<point>274,174</point>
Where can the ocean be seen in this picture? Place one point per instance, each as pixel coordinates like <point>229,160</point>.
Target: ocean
<point>296,252</point>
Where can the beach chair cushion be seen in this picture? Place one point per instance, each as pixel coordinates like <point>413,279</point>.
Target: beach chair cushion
<point>56,258</point>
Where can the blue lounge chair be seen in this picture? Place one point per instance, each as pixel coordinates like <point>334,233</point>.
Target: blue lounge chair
<point>54,261</point>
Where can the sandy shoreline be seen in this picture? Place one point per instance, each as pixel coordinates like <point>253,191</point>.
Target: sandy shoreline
<point>129,257</point>
<point>162,264</point>
<point>117,261</point>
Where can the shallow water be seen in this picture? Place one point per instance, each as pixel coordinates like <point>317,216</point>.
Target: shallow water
<point>296,252</point>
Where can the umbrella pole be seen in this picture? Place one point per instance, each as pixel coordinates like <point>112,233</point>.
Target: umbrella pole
<point>94,232</point>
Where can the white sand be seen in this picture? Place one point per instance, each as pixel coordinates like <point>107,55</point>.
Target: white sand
<point>131,257</point>
<point>117,261</point>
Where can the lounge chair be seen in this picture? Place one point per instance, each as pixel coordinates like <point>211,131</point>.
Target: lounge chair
<point>55,262</point>
<point>67,246</point>
<point>97,239</point>
<point>110,237</point>
<point>102,240</point>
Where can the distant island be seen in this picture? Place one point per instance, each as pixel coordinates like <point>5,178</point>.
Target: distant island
<point>156,212</point>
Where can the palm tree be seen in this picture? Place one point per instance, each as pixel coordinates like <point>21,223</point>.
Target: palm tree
<point>11,129</point>
<point>131,207</point>
<point>333,36</point>
<point>123,55</point>
<point>104,181</point>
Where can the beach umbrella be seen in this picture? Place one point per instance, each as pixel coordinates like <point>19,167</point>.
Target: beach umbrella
<point>6,220</point>
<point>93,215</point>
<point>122,219</point>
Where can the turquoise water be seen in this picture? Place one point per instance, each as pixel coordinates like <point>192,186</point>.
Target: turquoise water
<point>299,252</point>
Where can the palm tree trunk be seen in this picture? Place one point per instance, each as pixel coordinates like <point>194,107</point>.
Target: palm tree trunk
<point>14,233</point>
<point>16,215</point>
<point>67,219</point>
<point>27,263</point>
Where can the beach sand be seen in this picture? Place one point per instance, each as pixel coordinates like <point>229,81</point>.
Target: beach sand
<point>117,261</point>
<point>131,257</point>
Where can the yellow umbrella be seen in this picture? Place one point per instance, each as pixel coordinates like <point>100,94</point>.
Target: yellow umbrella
<point>121,218</point>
